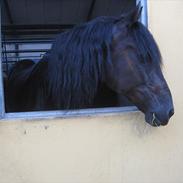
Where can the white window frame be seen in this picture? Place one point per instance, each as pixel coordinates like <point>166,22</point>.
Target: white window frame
<point>64,113</point>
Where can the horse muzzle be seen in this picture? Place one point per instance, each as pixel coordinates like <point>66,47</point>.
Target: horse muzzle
<point>157,119</point>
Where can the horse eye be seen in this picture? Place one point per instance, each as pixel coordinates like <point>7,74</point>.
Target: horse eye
<point>142,60</point>
<point>145,62</point>
<point>145,59</point>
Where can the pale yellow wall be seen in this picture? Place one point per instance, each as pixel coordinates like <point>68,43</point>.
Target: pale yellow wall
<point>113,149</point>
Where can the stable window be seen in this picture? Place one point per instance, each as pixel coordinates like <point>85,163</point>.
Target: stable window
<point>28,29</point>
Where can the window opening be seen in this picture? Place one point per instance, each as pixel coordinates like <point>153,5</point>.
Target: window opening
<point>30,38</point>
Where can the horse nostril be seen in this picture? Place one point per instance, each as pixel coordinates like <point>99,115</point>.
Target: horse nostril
<point>171,113</point>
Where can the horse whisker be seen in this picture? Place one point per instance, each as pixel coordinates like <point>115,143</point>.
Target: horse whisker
<point>153,120</point>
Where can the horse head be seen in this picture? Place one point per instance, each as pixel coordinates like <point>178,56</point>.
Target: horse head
<point>136,69</point>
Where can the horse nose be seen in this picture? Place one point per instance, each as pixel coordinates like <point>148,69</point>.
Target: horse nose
<point>164,123</point>
<point>171,113</point>
<point>163,117</point>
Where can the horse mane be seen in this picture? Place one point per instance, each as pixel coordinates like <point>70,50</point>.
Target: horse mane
<point>75,63</point>
<point>146,46</point>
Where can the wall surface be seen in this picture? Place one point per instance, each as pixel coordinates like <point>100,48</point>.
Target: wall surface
<point>110,149</point>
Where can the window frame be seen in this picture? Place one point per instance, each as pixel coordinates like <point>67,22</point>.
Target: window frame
<point>108,111</point>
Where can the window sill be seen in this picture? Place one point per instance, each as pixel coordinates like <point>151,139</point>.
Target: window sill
<point>108,111</point>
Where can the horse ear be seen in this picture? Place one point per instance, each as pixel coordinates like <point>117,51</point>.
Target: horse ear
<point>132,16</point>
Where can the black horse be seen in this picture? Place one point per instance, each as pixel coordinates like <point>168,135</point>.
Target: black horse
<point>116,51</point>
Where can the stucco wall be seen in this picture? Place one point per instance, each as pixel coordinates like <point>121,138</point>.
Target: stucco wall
<point>113,149</point>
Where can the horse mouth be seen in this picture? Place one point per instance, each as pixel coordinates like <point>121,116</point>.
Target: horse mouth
<point>152,119</point>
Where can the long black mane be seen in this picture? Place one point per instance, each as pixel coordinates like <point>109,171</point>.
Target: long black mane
<point>76,63</point>
<point>69,75</point>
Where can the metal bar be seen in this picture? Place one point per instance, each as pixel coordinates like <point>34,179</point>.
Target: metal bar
<point>26,51</point>
<point>144,13</point>
<point>37,26</point>
<point>8,11</point>
<point>89,16</point>
<point>17,49</point>
<point>27,39</point>
<point>13,41</point>
<point>13,57</point>
<point>5,57</point>
<point>35,29</point>
<point>2,109</point>
<point>30,32</point>
<point>144,18</point>
<point>10,61</point>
